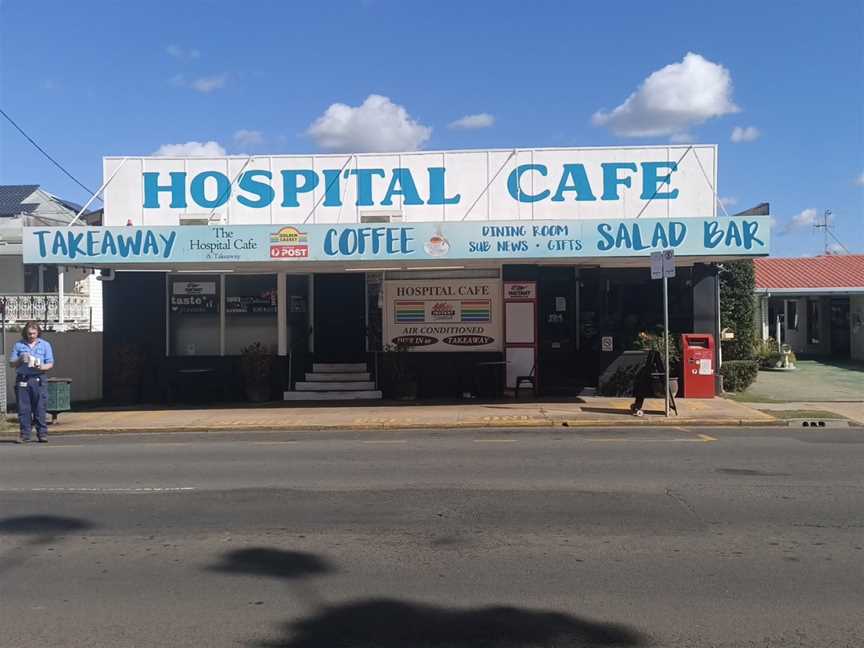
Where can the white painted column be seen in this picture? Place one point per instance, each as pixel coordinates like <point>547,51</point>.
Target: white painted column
<point>61,298</point>
<point>282,313</point>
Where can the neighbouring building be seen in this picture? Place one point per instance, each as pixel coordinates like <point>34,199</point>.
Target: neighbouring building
<point>66,299</point>
<point>454,270</point>
<point>816,304</point>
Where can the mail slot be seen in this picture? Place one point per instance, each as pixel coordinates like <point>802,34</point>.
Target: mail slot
<point>697,365</point>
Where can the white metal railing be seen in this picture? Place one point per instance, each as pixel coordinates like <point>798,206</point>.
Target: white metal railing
<point>45,309</point>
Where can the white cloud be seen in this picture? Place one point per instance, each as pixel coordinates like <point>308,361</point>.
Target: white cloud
<point>728,201</point>
<point>181,53</point>
<point>245,137</point>
<point>836,248</point>
<point>470,122</point>
<point>377,125</point>
<point>209,84</point>
<point>804,219</point>
<point>682,138</point>
<point>747,134</point>
<point>189,149</point>
<point>860,180</point>
<point>673,99</point>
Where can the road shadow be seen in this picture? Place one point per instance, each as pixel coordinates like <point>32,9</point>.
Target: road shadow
<point>36,530</point>
<point>392,623</point>
<point>41,525</point>
<point>277,563</point>
<point>388,623</point>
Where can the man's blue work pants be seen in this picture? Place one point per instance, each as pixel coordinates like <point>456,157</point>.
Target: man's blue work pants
<point>32,395</point>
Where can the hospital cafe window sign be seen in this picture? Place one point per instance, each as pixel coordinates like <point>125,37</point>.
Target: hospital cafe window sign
<point>473,240</point>
<point>443,315</point>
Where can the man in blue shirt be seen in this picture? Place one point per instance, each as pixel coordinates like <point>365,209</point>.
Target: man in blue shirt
<point>32,357</point>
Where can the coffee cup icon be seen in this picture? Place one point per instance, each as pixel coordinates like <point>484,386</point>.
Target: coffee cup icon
<point>437,246</point>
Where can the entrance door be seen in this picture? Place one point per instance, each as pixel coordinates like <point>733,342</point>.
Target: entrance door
<point>340,317</point>
<point>557,314</point>
<point>840,332</point>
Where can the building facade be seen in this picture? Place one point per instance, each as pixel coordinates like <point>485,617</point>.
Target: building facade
<point>460,269</point>
<point>813,304</point>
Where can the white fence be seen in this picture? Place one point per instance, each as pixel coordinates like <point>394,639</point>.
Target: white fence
<point>77,355</point>
<point>45,309</point>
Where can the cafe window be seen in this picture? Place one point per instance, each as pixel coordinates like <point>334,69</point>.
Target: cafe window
<point>193,306</point>
<point>250,312</point>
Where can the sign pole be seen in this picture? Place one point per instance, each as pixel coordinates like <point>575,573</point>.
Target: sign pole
<point>666,340</point>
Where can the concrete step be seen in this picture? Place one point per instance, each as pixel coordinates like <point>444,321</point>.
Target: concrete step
<point>339,367</point>
<point>337,377</point>
<point>372,394</point>
<point>355,385</point>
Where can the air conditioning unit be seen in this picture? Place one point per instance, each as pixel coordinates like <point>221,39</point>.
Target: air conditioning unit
<point>381,216</point>
<point>201,219</point>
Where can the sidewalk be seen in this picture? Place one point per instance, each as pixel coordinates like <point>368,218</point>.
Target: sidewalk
<point>581,412</point>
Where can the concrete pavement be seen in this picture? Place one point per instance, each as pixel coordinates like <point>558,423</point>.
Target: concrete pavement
<point>577,412</point>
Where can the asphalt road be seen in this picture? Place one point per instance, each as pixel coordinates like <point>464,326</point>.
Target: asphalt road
<point>505,538</point>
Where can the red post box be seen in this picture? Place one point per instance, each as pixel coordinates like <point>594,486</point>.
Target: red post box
<point>697,365</point>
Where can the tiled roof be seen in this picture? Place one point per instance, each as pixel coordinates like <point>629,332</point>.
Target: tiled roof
<point>12,197</point>
<point>809,273</point>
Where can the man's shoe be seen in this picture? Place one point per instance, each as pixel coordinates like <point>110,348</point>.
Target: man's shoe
<point>43,439</point>
<point>20,440</point>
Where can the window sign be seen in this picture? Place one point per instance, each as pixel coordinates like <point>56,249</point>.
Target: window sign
<point>193,297</point>
<point>443,315</point>
<point>193,317</point>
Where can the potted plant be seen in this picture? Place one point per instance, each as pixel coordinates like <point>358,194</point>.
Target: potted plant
<point>402,380</point>
<point>657,342</point>
<point>256,368</point>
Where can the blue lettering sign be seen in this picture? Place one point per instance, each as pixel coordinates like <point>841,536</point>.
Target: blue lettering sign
<point>575,173</point>
<point>177,189</point>
<point>290,188</point>
<point>514,183</point>
<point>263,190</point>
<point>651,181</point>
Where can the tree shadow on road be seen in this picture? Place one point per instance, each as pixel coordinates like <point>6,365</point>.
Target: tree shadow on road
<point>392,623</point>
<point>42,525</point>
<point>276,563</point>
<point>38,530</point>
<point>388,623</point>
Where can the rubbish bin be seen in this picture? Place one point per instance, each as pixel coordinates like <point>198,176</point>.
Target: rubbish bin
<point>59,396</point>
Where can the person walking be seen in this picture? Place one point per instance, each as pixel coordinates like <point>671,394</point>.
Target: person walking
<point>32,356</point>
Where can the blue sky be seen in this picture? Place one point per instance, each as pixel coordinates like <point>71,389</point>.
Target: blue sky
<point>93,78</point>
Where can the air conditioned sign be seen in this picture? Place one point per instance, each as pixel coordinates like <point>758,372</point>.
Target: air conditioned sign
<point>443,315</point>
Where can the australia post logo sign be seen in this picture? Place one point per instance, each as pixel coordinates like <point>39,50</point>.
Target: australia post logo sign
<point>289,243</point>
<point>654,182</point>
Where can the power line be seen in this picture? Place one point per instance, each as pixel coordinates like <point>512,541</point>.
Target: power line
<point>44,152</point>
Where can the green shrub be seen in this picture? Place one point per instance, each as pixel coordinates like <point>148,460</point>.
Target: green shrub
<point>738,375</point>
<point>657,342</point>
<point>737,307</point>
<point>768,355</point>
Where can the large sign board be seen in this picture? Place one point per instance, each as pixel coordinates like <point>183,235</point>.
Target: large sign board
<point>510,184</point>
<point>509,240</point>
<point>443,315</point>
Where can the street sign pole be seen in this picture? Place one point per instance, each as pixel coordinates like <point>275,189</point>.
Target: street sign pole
<point>663,266</point>
<point>666,340</point>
